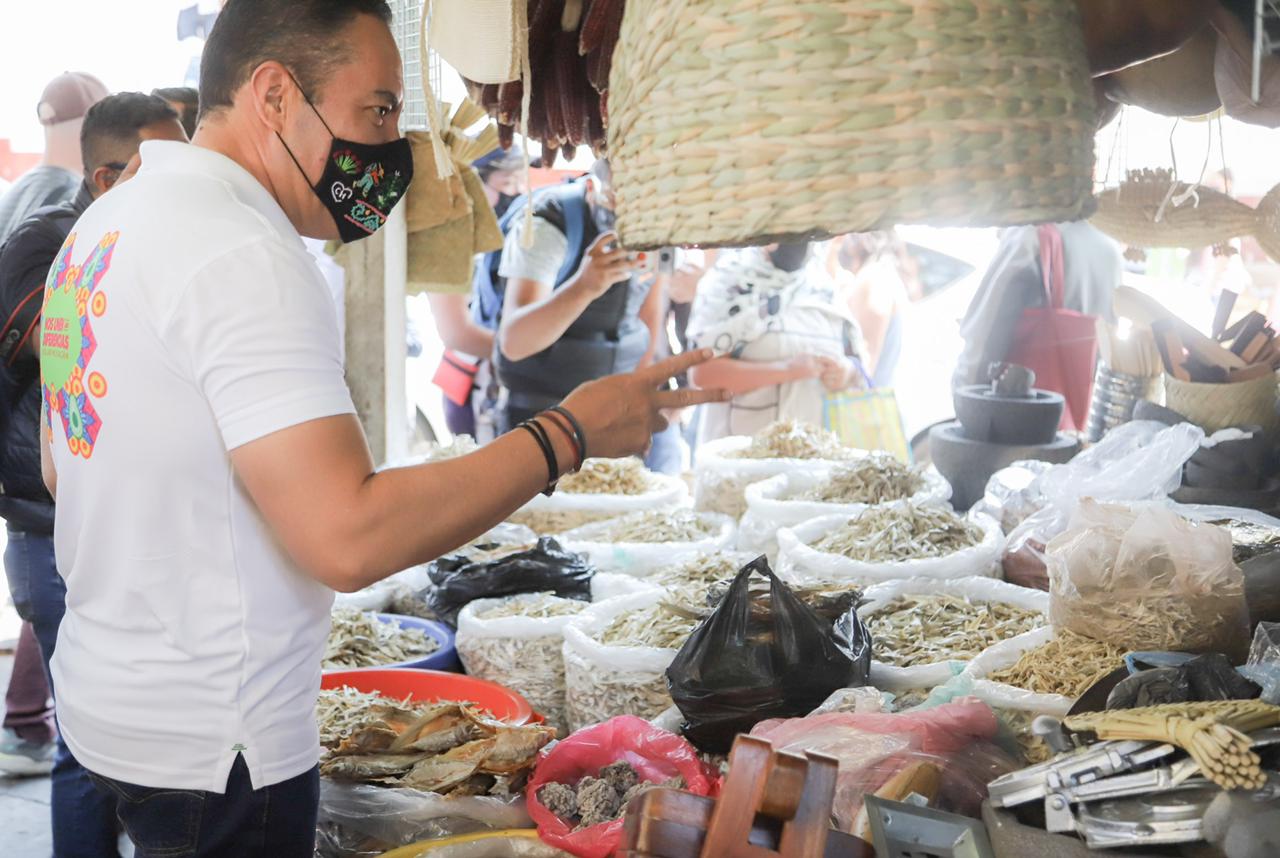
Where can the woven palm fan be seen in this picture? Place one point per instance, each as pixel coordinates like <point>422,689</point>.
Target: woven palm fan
<point>735,122</point>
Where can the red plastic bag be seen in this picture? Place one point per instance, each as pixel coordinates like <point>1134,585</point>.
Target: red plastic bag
<point>1057,344</point>
<point>655,754</point>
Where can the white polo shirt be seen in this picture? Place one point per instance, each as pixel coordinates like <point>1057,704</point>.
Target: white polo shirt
<point>183,318</point>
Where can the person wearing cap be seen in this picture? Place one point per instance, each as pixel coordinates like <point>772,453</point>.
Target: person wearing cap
<point>57,178</point>
<point>84,823</point>
<point>501,171</point>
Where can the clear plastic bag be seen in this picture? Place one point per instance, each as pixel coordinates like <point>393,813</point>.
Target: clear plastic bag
<point>768,507</point>
<point>604,681</point>
<point>799,561</point>
<point>362,821</point>
<point>642,559</point>
<point>1140,460</point>
<point>721,481</point>
<point>565,511</point>
<point>1013,493</point>
<point>1144,578</point>
<point>1263,666</point>
<point>893,678</point>
<point>872,747</point>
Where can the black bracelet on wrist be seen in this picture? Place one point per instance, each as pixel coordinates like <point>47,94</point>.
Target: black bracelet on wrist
<point>539,434</point>
<point>577,428</point>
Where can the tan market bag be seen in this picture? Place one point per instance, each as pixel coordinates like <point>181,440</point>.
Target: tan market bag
<point>735,121</point>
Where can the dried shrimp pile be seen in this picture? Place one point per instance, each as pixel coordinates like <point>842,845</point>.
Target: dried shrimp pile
<point>608,477</point>
<point>874,478</point>
<point>446,747</point>
<point>924,629</point>
<point>681,525</point>
<point>360,639</point>
<point>1068,665</point>
<point>599,798</point>
<point>793,439</point>
<point>886,534</point>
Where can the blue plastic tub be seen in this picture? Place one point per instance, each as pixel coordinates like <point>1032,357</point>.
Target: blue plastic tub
<point>445,658</point>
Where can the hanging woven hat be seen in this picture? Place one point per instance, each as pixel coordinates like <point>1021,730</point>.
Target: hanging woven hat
<point>735,122</point>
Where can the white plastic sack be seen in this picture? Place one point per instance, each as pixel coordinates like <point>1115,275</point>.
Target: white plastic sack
<point>891,678</point>
<point>999,695</point>
<point>798,561</point>
<point>564,511</point>
<point>642,559</point>
<point>720,483</point>
<point>768,509</point>
<point>604,681</point>
<point>521,653</point>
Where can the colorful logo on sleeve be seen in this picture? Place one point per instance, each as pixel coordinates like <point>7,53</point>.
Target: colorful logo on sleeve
<point>72,300</point>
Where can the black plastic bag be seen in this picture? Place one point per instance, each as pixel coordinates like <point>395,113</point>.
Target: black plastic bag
<point>1204,678</point>
<point>743,665</point>
<point>456,581</point>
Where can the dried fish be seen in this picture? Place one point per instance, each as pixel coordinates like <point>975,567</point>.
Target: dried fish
<point>874,478</point>
<point>554,522</point>
<point>537,606</point>
<point>1033,748</point>
<point>461,445</point>
<point>1068,665</point>
<point>924,629</point>
<point>359,639</point>
<point>794,439</point>
<point>897,532</point>
<point>650,526</point>
<point>445,747</point>
<point>689,584</point>
<point>608,477</point>
<point>654,626</point>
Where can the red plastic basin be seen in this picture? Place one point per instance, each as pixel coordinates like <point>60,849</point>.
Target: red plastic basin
<point>427,686</point>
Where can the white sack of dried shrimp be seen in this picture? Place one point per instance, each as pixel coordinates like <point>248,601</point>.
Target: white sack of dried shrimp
<point>607,679</point>
<point>1002,695</point>
<point>623,544</point>
<point>566,510</point>
<point>799,560</point>
<point>782,501</point>
<point>989,611</point>
<point>722,474</point>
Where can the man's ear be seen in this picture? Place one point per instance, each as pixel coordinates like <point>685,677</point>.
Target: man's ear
<point>103,180</point>
<point>267,89</point>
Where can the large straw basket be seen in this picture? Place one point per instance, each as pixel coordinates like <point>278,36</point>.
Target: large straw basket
<point>1217,406</point>
<point>734,122</point>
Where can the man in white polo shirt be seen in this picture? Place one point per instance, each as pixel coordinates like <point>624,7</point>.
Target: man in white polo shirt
<point>213,485</point>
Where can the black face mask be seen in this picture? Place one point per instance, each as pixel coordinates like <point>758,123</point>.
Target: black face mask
<point>504,202</point>
<point>362,182</point>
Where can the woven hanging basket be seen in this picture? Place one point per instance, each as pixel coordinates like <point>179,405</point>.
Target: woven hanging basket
<point>1219,406</point>
<point>735,122</point>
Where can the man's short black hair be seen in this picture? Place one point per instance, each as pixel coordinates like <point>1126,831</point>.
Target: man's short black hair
<point>303,35</point>
<point>190,101</point>
<point>110,131</point>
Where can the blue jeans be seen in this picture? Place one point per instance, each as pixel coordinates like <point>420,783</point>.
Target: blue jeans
<point>666,456</point>
<point>84,821</point>
<point>277,821</point>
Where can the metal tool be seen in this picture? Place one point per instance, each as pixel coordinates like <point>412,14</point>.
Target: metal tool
<point>1166,818</point>
<point>905,830</point>
<point>1097,761</point>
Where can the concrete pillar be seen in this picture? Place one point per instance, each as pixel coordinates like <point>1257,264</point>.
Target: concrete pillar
<point>375,336</point>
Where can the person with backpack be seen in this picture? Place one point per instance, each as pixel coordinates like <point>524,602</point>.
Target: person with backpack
<point>568,308</point>
<point>114,128</point>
